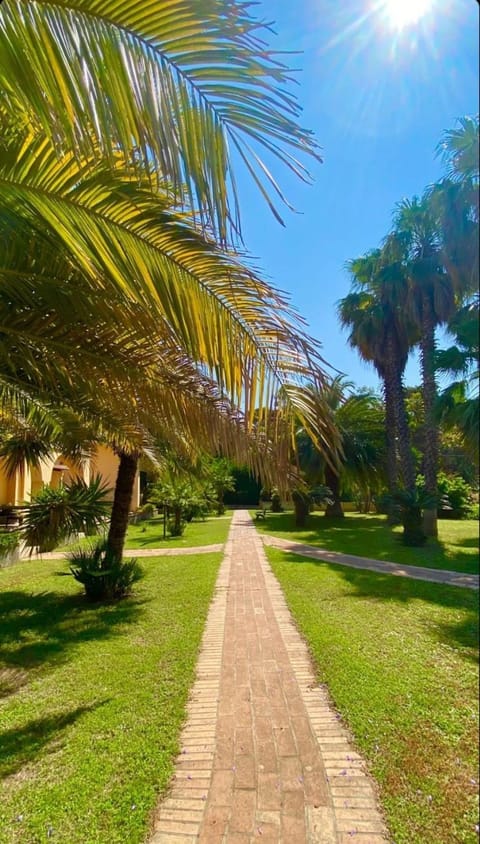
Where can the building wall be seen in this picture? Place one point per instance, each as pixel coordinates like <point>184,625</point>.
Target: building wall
<point>19,488</point>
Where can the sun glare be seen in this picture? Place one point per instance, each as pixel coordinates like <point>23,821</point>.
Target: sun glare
<point>403,13</point>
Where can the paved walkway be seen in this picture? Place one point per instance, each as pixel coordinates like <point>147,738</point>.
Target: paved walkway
<point>451,578</point>
<point>263,755</point>
<point>141,552</point>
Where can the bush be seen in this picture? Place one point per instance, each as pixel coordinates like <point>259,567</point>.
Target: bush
<point>455,496</point>
<point>144,513</point>
<point>55,514</point>
<point>8,542</point>
<point>175,526</point>
<point>103,575</point>
<point>276,501</point>
<point>412,504</point>
<point>473,512</point>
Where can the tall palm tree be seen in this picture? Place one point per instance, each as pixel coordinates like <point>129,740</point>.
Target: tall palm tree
<point>455,201</point>
<point>459,402</point>
<point>431,302</point>
<point>374,314</point>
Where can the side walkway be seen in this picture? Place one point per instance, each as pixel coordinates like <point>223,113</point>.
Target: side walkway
<point>141,552</point>
<point>264,756</point>
<point>452,578</point>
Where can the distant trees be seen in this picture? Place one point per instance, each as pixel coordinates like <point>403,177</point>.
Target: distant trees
<point>424,275</point>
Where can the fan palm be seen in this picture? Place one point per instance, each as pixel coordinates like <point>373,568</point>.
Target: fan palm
<point>459,402</point>
<point>180,83</point>
<point>432,302</point>
<point>360,420</point>
<point>374,314</point>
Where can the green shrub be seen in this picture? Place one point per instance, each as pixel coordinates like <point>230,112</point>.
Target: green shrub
<point>276,501</point>
<point>176,526</point>
<point>9,540</point>
<point>412,504</point>
<point>55,514</point>
<point>146,512</point>
<point>103,575</point>
<point>455,496</point>
<point>473,511</point>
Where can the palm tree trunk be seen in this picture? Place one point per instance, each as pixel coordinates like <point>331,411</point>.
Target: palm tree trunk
<point>301,503</point>
<point>332,480</point>
<point>393,375</point>
<point>390,436</point>
<point>127,470</point>
<point>430,447</point>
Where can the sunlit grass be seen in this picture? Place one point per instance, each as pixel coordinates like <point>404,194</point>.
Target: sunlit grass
<point>93,697</point>
<point>149,534</point>
<point>400,660</point>
<point>369,536</point>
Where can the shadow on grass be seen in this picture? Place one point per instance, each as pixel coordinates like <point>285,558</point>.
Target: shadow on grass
<point>372,537</point>
<point>40,630</point>
<point>19,746</point>
<point>382,587</point>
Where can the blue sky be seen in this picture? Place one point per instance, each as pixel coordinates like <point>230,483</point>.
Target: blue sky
<point>378,101</point>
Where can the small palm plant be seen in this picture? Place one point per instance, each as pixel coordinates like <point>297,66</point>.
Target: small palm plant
<point>102,573</point>
<point>55,514</point>
<point>411,504</point>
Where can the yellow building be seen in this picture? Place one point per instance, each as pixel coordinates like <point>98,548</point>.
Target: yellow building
<point>57,469</point>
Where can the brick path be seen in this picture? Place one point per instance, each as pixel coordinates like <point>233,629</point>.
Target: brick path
<point>450,578</point>
<point>264,756</point>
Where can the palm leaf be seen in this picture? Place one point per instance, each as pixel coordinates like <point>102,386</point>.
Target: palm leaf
<point>178,82</point>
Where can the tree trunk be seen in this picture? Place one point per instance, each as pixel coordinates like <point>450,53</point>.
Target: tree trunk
<point>301,503</point>
<point>332,480</point>
<point>124,484</point>
<point>391,449</point>
<point>393,374</point>
<point>430,446</point>
<point>390,437</point>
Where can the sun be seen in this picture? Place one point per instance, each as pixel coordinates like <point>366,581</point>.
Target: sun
<point>403,13</point>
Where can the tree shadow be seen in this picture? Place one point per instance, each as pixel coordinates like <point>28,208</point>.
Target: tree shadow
<point>373,586</point>
<point>471,542</point>
<point>20,746</point>
<point>372,537</point>
<point>40,630</point>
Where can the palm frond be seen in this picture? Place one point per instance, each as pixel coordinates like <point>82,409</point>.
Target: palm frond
<point>177,82</point>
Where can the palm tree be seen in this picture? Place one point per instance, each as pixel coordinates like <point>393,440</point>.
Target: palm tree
<point>116,290</point>
<point>458,405</point>
<point>374,314</point>
<point>455,202</point>
<point>459,149</point>
<point>185,86</point>
<point>432,302</point>
<point>359,461</point>
<point>130,114</point>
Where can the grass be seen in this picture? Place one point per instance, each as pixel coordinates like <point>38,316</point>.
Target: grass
<point>149,534</point>
<point>369,536</point>
<point>399,658</point>
<point>92,698</point>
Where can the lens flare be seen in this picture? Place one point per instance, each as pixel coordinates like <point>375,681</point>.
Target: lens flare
<point>403,13</point>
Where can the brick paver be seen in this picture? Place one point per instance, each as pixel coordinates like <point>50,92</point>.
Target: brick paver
<point>264,755</point>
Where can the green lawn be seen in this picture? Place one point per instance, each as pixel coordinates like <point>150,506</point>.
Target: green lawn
<point>92,698</point>
<point>149,534</point>
<point>400,660</point>
<point>369,536</point>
